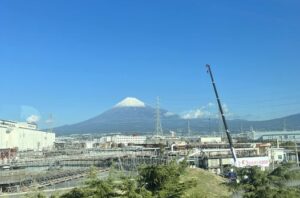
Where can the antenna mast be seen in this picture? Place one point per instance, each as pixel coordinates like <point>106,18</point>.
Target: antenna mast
<point>222,114</point>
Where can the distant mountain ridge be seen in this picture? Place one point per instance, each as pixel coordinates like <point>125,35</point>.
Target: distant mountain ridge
<point>133,116</point>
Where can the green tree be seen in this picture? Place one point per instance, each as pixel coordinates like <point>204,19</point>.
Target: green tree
<point>163,180</point>
<point>102,189</point>
<point>128,188</point>
<point>75,193</point>
<point>256,183</point>
<point>159,181</point>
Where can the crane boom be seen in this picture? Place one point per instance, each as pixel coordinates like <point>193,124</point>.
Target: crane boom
<point>222,114</point>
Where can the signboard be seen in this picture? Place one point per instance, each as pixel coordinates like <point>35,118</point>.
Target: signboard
<point>253,161</point>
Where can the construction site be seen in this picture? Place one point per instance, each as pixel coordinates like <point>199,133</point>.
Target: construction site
<point>42,170</point>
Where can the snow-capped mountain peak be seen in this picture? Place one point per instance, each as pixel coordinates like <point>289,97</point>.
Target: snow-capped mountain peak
<point>130,102</point>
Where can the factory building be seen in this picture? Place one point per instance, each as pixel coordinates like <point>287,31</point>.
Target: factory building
<point>24,136</point>
<point>281,136</point>
<point>216,159</point>
<point>128,139</point>
<point>209,140</point>
<point>125,139</point>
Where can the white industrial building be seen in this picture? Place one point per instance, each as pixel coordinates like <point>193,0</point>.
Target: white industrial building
<point>24,136</point>
<point>128,139</point>
<point>278,155</point>
<point>275,135</point>
<point>209,140</point>
<point>125,139</point>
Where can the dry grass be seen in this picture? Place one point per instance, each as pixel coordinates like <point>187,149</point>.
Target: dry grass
<point>208,185</point>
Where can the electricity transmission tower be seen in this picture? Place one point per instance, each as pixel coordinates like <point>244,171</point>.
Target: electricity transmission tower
<point>189,129</point>
<point>158,128</point>
<point>50,121</point>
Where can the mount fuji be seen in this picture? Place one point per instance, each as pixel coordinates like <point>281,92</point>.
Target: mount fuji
<point>128,116</point>
<point>134,116</point>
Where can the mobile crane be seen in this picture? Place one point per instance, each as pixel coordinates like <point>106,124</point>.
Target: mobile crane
<point>222,115</point>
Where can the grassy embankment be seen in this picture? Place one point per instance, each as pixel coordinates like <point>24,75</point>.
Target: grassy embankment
<point>208,184</point>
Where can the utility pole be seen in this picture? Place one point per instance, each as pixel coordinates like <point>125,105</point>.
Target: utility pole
<point>296,150</point>
<point>222,114</point>
<point>272,156</point>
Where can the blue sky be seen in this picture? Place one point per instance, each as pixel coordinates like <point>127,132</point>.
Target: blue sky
<point>76,59</point>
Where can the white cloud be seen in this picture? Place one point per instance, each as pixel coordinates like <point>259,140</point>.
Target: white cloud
<point>211,104</point>
<point>49,121</point>
<point>202,112</point>
<point>225,108</point>
<point>226,111</point>
<point>197,113</point>
<point>167,114</point>
<point>207,111</point>
<point>30,114</point>
<point>33,119</point>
